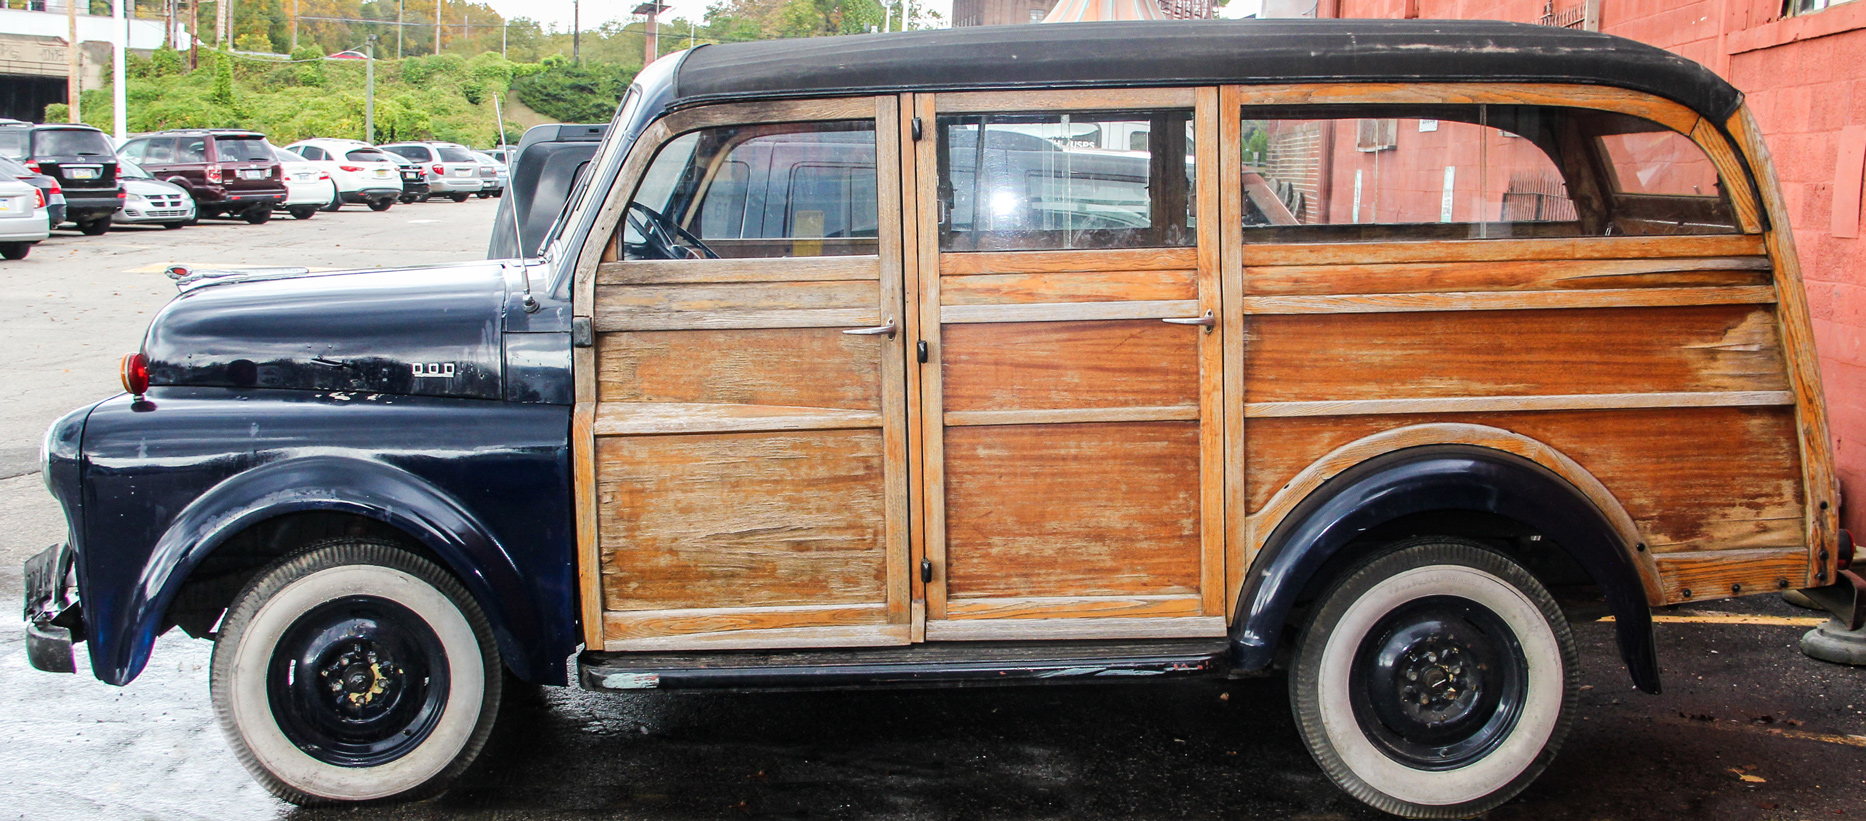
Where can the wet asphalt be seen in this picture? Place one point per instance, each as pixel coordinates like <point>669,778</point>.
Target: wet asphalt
<point>1741,701</point>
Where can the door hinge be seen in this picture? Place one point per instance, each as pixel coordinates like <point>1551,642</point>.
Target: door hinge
<point>916,129</point>
<point>920,351</point>
<point>926,571</point>
<point>582,333</point>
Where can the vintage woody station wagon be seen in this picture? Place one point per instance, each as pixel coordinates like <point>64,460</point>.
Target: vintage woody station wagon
<point>1369,351</point>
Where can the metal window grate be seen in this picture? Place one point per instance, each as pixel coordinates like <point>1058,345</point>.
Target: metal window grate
<point>1568,17</point>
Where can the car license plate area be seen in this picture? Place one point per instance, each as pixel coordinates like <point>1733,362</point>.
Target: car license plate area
<point>382,172</point>
<point>83,172</point>
<point>252,173</point>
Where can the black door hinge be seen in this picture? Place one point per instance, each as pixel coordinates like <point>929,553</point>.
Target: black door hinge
<point>926,571</point>
<point>916,129</point>
<point>582,334</point>
<point>920,350</point>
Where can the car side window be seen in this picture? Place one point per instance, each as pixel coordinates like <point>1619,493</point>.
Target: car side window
<point>1065,180</point>
<point>134,150</point>
<point>191,149</point>
<point>1344,173</point>
<point>312,152</point>
<point>776,190</point>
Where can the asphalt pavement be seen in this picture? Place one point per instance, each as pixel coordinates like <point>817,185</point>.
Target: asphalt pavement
<point>1748,728</point>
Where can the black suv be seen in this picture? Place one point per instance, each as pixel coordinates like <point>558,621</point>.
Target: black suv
<point>79,157</point>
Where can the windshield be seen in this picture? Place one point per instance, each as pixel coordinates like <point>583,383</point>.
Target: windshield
<point>13,142</point>
<point>368,155</point>
<point>450,153</point>
<point>242,149</point>
<point>128,169</point>
<point>413,152</point>
<point>71,142</point>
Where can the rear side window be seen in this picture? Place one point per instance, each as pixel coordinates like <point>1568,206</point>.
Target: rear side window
<point>242,149</point>
<point>1334,173</point>
<point>1060,180</point>
<point>70,142</point>
<point>783,190</point>
<point>188,149</point>
<point>368,155</point>
<point>312,152</point>
<point>13,142</point>
<point>454,154</point>
<point>413,152</point>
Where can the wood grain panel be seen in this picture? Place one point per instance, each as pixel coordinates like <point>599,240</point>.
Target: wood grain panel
<point>1691,479</point>
<point>636,624</point>
<point>1607,98</point>
<point>1716,574</point>
<point>1050,365</point>
<point>1069,311</point>
<point>1506,353</point>
<point>1135,413</point>
<point>772,638</point>
<point>742,519</point>
<point>1522,275</point>
<point>1255,255</point>
<point>1540,402</point>
<point>655,418</point>
<point>808,367</point>
<point>1038,607</point>
<point>1075,628</point>
<point>770,269</point>
<point>1509,300</point>
<point>630,300</point>
<point>1107,509</point>
<point>1084,286</point>
<point>1058,262</point>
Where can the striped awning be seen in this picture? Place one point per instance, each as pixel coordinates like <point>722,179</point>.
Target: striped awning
<point>1083,11</point>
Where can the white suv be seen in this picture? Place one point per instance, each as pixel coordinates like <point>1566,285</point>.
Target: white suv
<point>454,171</point>
<point>362,172</point>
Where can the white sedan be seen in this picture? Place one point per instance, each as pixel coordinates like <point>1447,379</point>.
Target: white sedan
<point>23,221</point>
<point>362,172</point>
<point>307,187</point>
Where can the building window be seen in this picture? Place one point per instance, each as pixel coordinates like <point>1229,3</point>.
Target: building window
<point>1584,14</point>
<point>1793,7</point>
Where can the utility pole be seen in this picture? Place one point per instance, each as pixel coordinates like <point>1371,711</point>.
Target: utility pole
<point>119,106</point>
<point>194,34</point>
<point>294,25</point>
<point>74,76</point>
<point>400,6</point>
<point>576,33</point>
<point>437,27</point>
<point>369,92</point>
<point>504,24</point>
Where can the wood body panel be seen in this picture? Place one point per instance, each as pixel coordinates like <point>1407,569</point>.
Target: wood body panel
<point>1023,366</point>
<point>1074,286</point>
<point>1510,275</point>
<point>804,367</point>
<point>1024,516</point>
<point>1514,353</point>
<point>1691,479</point>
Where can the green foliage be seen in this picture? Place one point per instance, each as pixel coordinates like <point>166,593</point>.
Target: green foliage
<point>223,79</point>
<point>57,112</point>
<point>574,94</point>
<point>310,61</point>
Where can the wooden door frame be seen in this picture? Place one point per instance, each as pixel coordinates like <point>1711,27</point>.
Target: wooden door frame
<point>602,246</point>
<point>927,406</point>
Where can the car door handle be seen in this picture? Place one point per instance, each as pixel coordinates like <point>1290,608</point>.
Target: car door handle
<point>1207,321</point>
<point>878,330</point>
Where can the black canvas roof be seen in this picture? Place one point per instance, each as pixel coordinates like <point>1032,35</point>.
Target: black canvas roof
<point>1194,52</point>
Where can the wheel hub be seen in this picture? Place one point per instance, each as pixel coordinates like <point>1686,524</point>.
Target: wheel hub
<point>358,682</point>
<point>1438,682</point>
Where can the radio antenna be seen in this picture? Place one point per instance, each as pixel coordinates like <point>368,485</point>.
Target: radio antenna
<point>524,267</point>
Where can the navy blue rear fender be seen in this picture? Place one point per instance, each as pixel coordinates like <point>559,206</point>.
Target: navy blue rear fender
<point>1434,479</point>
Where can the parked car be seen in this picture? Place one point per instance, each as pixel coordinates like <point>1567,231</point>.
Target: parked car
<point>492,176</point>
<point>363,173</point>
<point>1163,428</point>
<point>308,188</point>
<point>149,201</point>
<point>503,154</point>
<point>228,172</point>
<point>49,191</point>
<point>415,176</point>
<point>454,171</point>
<point>23,219</point>
<point>79,158</point>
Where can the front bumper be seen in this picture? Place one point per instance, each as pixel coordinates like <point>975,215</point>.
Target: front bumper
<point>54,619</point>
<point>135,213</point>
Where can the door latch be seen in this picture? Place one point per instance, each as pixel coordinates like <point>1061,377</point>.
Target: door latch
<point>582,333</point>
<point>920,351</point>
<point>916,129</point>
<point>1207,321</point>
<point>926,571</point>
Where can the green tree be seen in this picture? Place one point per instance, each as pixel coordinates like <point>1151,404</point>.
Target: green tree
<point>223,79</point>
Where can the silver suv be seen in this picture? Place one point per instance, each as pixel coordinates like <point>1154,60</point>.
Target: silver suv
<point>452,169</point>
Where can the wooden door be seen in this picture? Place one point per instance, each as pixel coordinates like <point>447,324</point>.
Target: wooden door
<point>746,439</point>
<point>1066,270</point>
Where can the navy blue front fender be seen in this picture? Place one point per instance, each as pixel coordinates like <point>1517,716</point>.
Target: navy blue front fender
<point>1431,479</point>
<point>319,483</point>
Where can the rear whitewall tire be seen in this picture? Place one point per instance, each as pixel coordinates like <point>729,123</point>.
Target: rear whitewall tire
<point>1323,689</point>
<point>274,602</point>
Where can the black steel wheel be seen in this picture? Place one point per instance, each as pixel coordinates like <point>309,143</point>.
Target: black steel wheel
<point>1435,680</point>
<point>355,671</point>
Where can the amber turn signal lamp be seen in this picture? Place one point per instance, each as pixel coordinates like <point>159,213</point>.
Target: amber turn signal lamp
<point>135,374</point>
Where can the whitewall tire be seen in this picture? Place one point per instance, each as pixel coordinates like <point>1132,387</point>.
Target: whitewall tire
<point>355,671</point>
<point>1435,680</point>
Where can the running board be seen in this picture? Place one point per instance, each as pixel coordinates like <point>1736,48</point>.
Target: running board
<point>969,664</point>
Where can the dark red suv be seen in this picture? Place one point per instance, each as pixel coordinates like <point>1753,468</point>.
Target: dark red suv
<point>230,172</point>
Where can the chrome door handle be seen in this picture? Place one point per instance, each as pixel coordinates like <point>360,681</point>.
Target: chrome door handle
<point>1207,321</point>
<point>875,331</point>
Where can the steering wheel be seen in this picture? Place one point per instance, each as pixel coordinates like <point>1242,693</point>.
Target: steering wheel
<point>662,238</point>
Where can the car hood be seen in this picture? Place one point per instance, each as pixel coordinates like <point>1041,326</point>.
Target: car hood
<point>146,188</point>
<point>416,331</point>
